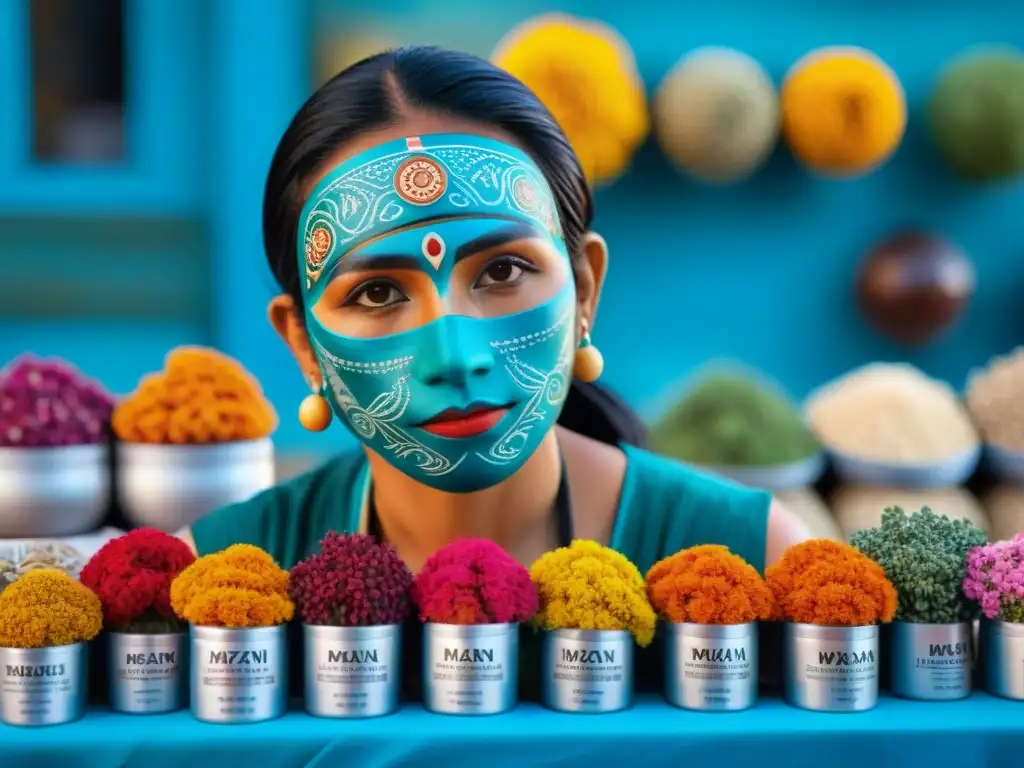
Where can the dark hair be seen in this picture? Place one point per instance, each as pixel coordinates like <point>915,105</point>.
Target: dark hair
<point>372,94</point>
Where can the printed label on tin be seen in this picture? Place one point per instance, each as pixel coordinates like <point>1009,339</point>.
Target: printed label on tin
<point>590,669</point>
<point>240,673</point>
<point>148,674</point>
<point>847,672</point>
<point>717,671</point>
<point>465,673</point>
<point>30,690</point>
<point>354,673</point>
<point>943,667</point>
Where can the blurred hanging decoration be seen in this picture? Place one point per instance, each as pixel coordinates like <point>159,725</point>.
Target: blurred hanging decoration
<point>844,112</point>
<point>914,285</point>
<point>585,74</point>
<point>716,115</point>
<point>977,114</point>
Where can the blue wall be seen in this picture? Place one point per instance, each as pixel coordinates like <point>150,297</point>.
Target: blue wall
<point>761,271</point>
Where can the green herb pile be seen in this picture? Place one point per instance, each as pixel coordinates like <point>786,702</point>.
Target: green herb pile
<point>733,420</point>
<point>924,555</point>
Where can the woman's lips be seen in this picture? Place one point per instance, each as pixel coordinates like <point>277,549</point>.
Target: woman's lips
<point>458,424</point>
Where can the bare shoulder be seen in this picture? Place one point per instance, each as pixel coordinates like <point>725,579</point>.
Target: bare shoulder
<point>596,472</point>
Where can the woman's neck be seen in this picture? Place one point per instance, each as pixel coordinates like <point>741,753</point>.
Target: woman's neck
<point>419,520</point>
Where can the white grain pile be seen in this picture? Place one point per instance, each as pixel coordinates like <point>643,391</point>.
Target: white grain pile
<point>891,413</point>
<point>858,508</point>
<point>995,398</point>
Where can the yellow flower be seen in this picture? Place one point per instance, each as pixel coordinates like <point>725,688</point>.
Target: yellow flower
<point>843,111</point>
<point>587,586</point>
<point>47,608</point>
<point>586,76</point>
<point>240,587</point>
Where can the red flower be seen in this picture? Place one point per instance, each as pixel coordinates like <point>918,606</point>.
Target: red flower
<point>132,576</point>
<point>474,581</point>
<point>353,581</point>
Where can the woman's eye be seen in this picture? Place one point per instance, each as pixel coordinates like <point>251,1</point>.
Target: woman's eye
<point>377,295</point>
<point>504,270</point>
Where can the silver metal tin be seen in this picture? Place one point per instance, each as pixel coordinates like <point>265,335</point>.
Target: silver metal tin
<point>587,671</point>
<point>930,662</point>
<point>169,487</point>
<point>43,686</point>
<point>711,668</point>
<point>239,675</point>
<point>50,492</point>
<point>831,669</point>
<point>352,671</point>
<point>147,672</point>
<point>470,670</point>
<point>1002,653</point>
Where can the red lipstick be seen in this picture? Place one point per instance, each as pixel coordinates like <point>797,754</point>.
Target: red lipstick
<point>457,423</point>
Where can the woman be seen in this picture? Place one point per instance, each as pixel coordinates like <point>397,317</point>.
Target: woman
<point>429,227</point>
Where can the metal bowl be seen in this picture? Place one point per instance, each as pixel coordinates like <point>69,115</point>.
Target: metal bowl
<point>1006,465</point>
<point>169,487</point>
<point>777,479</point>
<point>944,474</point>
<point>48,492</point>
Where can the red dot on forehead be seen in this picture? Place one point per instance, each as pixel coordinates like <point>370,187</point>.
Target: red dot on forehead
<point>432,246</point>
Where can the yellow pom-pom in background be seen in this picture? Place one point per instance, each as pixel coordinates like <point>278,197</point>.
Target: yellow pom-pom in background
<point>716,114</point>
<point>586,75</point>
<point>47,608</point>
<point>587,586</point>
<point>843,111</point>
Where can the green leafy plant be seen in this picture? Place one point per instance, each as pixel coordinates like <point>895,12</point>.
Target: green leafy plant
<point>924,555</point>
<point>733,419</point>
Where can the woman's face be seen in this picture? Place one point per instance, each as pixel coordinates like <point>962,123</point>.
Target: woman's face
<point>440,304</point>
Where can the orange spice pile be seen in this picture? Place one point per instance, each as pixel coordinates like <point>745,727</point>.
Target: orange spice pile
<point>708,585</point>
<point>201,396</point>
<point>240,587</point>
<point>830,584</point>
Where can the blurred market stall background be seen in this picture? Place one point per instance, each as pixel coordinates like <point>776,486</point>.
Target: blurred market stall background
<point>135,136</point>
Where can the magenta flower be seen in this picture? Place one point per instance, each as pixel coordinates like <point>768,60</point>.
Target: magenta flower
<point>474,581</point>
<point>995,578</point>
<point>353,581</point>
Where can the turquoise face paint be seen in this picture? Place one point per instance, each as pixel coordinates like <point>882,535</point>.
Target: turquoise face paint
<point>418,201</point>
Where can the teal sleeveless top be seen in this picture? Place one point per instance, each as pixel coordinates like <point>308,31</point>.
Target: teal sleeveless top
<point>664,507</point>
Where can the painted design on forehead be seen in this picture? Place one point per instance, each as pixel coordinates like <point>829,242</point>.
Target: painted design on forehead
<point>434,249</point>
<point>402,183</point>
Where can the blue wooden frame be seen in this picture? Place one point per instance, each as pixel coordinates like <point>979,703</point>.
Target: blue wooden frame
<point>159,175</point>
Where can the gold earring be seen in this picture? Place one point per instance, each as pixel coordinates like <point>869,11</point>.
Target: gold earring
<point>589,362</point>
<point>314,410</point>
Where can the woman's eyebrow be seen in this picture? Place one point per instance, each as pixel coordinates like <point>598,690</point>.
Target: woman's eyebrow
<point>355,262</point>
<point>496,238</point>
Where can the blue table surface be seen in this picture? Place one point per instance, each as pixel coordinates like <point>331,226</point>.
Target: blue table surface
<point>980,731</point>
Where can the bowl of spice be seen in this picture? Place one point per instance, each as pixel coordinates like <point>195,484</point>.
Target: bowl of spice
<point>995,399</point>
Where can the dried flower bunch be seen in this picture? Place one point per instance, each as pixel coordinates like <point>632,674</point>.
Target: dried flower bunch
<point>708,585</point>
<point>924,555</point>
<point>48,608</point>
<point>47,403</point>
<point>240,587</point>
<point>200,397</point>
<point>353,581</point>
<point>132,577</point>
<point>587,586</point>
<point>474,581</point>
<point>995,578</point>
<point>830,584</point>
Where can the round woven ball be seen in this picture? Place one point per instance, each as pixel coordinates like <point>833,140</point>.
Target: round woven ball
<point>716,114</point>
<point>844,111</point>
<point>977,114</point>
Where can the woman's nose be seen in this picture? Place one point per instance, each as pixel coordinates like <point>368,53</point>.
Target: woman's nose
<point>453,353</point>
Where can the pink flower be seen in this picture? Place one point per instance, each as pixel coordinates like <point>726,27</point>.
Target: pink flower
<point>995,578</point>
<point>474,581</point>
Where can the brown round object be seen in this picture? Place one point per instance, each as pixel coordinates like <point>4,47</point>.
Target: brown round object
<point>913,285</point>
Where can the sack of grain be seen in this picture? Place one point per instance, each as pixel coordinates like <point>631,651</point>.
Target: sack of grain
<point>995,399</point>
<point>856,509</point>
<point>1005,507</point>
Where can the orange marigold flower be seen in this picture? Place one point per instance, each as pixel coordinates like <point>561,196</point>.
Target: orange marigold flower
<point>239,587</point>
<point>708,585</point>
<point>47,608</point>
<point>827,583</point>
<point>201,396</point>
<point>587,586</point>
